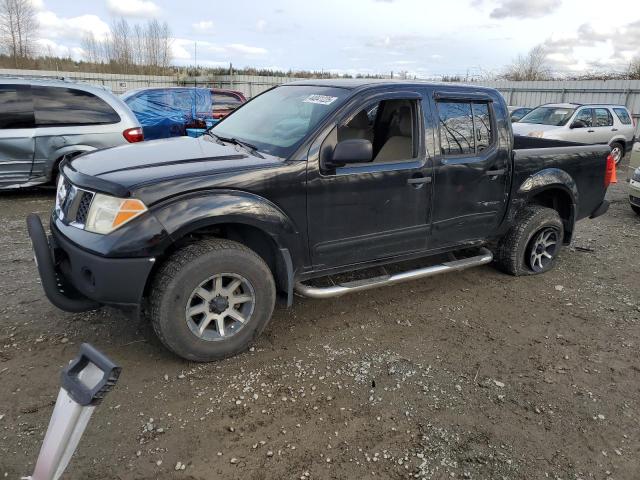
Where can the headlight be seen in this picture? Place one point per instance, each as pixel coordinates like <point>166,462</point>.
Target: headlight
<point>636,175</point>
<point>108,213</point>
<point>535,134</point>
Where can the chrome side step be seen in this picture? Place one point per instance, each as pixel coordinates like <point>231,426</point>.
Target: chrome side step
<point>484,257</point>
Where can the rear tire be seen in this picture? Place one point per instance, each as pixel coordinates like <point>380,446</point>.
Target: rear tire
<point>532,244</point>
<point>617,151</point>
<point>211,299</point>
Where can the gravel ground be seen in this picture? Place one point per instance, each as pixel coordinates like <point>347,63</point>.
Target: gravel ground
<point>468,375</point>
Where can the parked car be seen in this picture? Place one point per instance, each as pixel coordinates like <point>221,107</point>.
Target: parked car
<point>169,112</point>
<point>634,178</point>
<point>225,102</point>
<point>516,113</point>
<point>311,179</point>
<point>44,121</point>
<point>589,123</point>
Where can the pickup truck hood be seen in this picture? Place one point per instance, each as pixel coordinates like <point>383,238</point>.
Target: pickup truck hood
<point>152,162</point>
<point>526,128</point>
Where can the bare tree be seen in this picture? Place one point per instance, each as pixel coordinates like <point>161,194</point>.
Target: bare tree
<point>634,69</point>
<point>532,66</point>
<point>18,29</point>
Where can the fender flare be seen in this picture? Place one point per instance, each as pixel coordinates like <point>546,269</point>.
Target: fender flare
<point>187,213</point>
<point>551,179</point>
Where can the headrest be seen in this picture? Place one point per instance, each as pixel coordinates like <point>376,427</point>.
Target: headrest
<point>360,121</point>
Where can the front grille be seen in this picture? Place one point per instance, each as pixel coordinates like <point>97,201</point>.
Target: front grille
<point>72,203</point>
<point>83,207</point>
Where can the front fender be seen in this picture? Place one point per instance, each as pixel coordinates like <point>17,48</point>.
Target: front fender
<point>185,214</point>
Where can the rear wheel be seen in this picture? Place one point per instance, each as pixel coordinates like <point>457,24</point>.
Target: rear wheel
<point>211,299</point>
<point>617,152</point>
<point>532,244</point>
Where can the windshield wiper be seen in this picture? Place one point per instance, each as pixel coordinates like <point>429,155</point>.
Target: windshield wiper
<point>248,146</point>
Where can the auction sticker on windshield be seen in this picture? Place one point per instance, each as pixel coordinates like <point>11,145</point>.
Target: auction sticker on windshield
<point>320,99</point>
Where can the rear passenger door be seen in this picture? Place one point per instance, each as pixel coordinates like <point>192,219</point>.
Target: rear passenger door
<point>16,134</point>
<point>603,125</point>
<point>471,170</point>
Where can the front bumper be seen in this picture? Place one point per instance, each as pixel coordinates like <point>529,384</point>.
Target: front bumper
<point>634,193</point>
<point>75,280</point>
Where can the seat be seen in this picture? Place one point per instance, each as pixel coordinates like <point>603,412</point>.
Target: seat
<point>357,128</point>
<point>399,146</point>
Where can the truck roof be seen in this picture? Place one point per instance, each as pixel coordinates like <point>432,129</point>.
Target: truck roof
<point>359,83</point>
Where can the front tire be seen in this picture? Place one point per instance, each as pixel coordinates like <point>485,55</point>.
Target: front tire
<point>532,244</point>
<point>211,299</point>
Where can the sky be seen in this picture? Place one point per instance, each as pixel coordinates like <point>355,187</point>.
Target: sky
<point>424,38</point>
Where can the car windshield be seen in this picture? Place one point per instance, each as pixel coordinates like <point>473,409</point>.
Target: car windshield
<point>277,121</point>
<point>548,116</point>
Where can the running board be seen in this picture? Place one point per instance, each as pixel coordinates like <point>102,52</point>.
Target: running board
<point>484,257</point>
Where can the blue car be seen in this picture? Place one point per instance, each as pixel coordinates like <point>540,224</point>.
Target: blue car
<point>169,112</point>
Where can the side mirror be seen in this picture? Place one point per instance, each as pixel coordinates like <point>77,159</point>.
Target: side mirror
<point>352,151</point>
<point>578,124</point>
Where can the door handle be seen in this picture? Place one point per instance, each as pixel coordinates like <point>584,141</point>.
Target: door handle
<point>494,173</point>
<point>590,131</point>
<point>419,180</point>
<point>614,129</point>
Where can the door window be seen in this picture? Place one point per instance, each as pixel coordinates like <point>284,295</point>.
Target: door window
<point>16,107</point>
<point>390,126</point>
<point>603,117</point>
<point>56,106</point>
<point>465,127</point>
<point>585,116</point>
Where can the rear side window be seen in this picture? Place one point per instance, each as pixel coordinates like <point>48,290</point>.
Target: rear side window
<point>603,117</point>
<point>225,100</point>
<point>465,128</point>
<point>623,115</point>
<point>16,107</point>
<point>56,106</point>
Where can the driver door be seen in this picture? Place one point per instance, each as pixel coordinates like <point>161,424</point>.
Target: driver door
<point>374,210</point>
<point>17,130</point>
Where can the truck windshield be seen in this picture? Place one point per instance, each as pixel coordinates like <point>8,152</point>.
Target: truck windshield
<point>277,121</point>
<point>548,116</point>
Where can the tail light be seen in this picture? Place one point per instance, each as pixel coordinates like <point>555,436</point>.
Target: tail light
<point>610,174</point>
<point>133,135</point>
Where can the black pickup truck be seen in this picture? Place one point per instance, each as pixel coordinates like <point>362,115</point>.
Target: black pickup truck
<point>308,183</point>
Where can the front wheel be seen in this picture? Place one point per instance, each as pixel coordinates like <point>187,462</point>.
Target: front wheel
<point>532,244</point>
<point>211,299</point>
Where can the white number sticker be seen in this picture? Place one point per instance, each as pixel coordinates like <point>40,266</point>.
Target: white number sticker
<point>320,99</point>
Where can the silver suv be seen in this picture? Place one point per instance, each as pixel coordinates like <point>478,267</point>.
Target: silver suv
<point>574,122</point>
<point>44,121</point>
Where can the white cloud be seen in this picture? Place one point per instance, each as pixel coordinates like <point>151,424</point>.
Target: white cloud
<point>51,48</point>
<point>520,8</point>
<point>133,8</point>
<point>38,4</point>
<point>246,49</point>
<point>204,26</point>
<point>52,26</point>
<point>261,25</point>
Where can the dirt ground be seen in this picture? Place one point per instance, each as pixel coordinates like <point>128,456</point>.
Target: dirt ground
<point>468,375</point>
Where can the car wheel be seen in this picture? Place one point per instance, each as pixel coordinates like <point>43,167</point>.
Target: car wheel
<point>635,209</point>
<point>617,152</point>
<point>532,244</point>
<point>211,299</point>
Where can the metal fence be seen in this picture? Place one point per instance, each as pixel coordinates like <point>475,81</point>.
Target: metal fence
<point>525,94</point>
